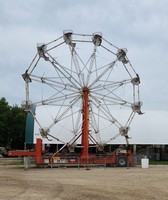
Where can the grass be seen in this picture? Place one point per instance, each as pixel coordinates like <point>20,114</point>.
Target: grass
<point>158,162</point>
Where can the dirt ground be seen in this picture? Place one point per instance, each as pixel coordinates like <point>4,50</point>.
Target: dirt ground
<point>73,183</point>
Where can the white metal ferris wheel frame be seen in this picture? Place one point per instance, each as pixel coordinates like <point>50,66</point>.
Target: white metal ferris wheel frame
<point>71,80</point>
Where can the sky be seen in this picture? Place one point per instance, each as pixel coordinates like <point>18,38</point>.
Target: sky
<point>140,26</point>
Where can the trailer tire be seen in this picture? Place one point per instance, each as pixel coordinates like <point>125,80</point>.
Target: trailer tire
<point>121,161</point>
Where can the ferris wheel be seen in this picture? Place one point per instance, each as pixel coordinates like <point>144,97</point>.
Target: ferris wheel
<point>87,86</point>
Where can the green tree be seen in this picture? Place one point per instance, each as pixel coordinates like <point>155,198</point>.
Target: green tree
<point>17,121</point>
<point>12,125</point>
<point>5,110</point>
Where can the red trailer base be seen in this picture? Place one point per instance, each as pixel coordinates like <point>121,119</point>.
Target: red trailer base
<point>118,158</point>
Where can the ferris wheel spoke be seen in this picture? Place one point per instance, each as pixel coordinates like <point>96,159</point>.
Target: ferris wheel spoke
<point>113,85</point>
<point>113,138</point>
<point>79,60</point>
<point>59,87</point>
<point>108,91</point>
<point>111,99</point>
<point>98,133</point>
<point>108,76</point>
<point>48,81</point>
<point>62,90</point>
<point>101,68</point>
<point>73,124</point>
<point>75,61</point>
<point>106,108</point>
<point>64,72</point>
<point>76,120</point>
<point>73,140</point>
<point>78,125</point>
<point>102,74</point>
<point>63,142</point>
<point>96,126</point>
<point>60,114</point>
<point>104,114</point>
<point>58,100</point>
<point>56,84</point>
<point>92,61</point>
<point>62,117</point>
<point>112,92</point>
<point>96,142</point>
